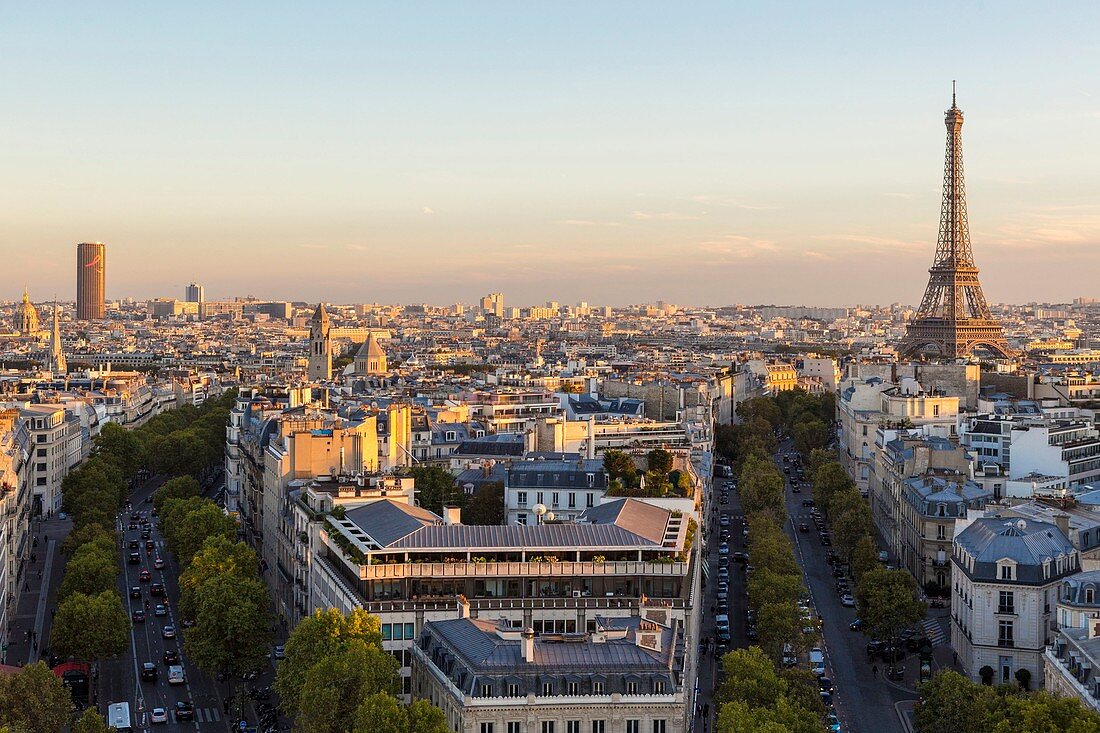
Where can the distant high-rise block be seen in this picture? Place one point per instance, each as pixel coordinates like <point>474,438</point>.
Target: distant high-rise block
<point>91,268</point>
<point>195,293</point>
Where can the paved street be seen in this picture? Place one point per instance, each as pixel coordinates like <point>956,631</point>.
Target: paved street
<point>865,702</point>
<point>709,662</point>
<point>119,680</point>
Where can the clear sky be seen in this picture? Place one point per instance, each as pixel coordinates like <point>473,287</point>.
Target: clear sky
<point>601,151</point>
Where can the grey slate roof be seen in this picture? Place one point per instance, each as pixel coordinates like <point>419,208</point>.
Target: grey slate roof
<point>388,521</point>
<point>1027,542</point>
<point>482,664</point>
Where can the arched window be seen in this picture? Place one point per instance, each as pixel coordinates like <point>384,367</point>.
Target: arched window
<point>1090,594</point>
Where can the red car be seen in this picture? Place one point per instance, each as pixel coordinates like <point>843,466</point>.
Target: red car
<point>144,576</point>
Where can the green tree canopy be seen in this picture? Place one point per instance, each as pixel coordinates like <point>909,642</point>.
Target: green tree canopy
<point>33,699</point>
<point>864,557</point>
<point>91,722</point>
<point>90,571</point>
<point>187,530</point>
<point>810,435</point>
<point>181,487</point>
<point>90,627</point>
<point>435,488</point>
<point>619,465</point>
<point>232,625</point>
<point>659,460</point>
<point>316,637</point>
<point>887,602</point>
<point>830,479</point>
<point>486,506</point>
<point>121,447</point>
<point>218,557</point>
<point>334,686</point>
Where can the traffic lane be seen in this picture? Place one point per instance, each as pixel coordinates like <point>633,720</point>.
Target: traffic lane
<point>863,700</point>
<point>149,642</point>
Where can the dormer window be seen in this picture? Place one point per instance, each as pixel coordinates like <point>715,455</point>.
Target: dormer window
<point>450,436</point>
<point>1006,572</point>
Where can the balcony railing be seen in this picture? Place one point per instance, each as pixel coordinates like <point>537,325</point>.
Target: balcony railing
<point>519,569</point>
<point>1007,610</point>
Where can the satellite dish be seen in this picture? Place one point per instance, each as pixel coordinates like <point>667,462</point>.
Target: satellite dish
<point>540,509</point>
<point>550,517</point>
<point>1021,525</point>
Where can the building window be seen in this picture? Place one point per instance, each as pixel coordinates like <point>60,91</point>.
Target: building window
<point>659,687</point>
<point>513,689</point>
<point>590,501</point>
<point>658,726</point>
<point>573,687</point>
<point>1005,633</point>
<point>1007,602</point>
<point>1006,572</point>
<point>515,726</point>
<point>633,726</point>
<point>521,498</point>
<point>591,479</point>
<point>547,689</point>
<point>941,510</point>
<point>598,726</point>
<point>941,532</point>
<point>573,726</point>
<point>554,499</point>
<point>1090,595</point>
<point>597,688</point>
<point>632,688</point>
<point>572,500</point>
<point>547,726</point>
<point>486,690</point>
<point>486,728</point>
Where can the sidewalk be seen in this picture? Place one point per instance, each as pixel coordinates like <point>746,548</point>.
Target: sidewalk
<point>29,632</point>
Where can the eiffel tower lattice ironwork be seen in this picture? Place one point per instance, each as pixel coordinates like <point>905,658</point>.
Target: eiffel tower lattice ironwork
<point>954,318</point>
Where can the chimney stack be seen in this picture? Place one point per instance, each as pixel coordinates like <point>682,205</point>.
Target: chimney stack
<point>452,515</point>
<point>1062,520</point>
<point>529,645</point>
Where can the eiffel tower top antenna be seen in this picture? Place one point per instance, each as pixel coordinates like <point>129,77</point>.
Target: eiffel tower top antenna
<point>953,93</point>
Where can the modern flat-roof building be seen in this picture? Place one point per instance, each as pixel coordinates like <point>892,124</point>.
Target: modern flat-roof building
<point>408,566</point>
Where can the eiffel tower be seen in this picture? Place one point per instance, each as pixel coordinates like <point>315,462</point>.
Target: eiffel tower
<point>953,319</point>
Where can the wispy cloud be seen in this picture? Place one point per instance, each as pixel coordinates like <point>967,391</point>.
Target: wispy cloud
<point>875,244</point>
<point>1075,226</point>
<point>428,211</point>
<point>733,203</point>
<point>314,246</point>
<point>663,216</point>
<point>591,223</point>
<point>737,247</point>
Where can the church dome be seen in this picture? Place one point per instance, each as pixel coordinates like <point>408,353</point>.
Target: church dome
<point>26,316</point>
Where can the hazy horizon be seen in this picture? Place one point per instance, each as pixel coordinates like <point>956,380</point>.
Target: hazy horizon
<point>617,153</point>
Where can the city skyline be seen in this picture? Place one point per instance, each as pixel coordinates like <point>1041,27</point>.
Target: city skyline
<point>738,155</point>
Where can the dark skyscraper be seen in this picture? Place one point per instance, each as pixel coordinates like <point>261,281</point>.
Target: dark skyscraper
<point>91,266</point>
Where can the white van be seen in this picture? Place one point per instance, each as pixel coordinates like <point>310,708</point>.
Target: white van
<point>175,675</point>
<point>817,662</point>
<point>118,715</point>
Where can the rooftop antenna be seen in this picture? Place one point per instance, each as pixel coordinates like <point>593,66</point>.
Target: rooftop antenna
<point>953,93</point>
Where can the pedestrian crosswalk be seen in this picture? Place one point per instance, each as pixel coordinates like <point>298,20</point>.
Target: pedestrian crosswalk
<point>936,629</point>
<point>207,715</point>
